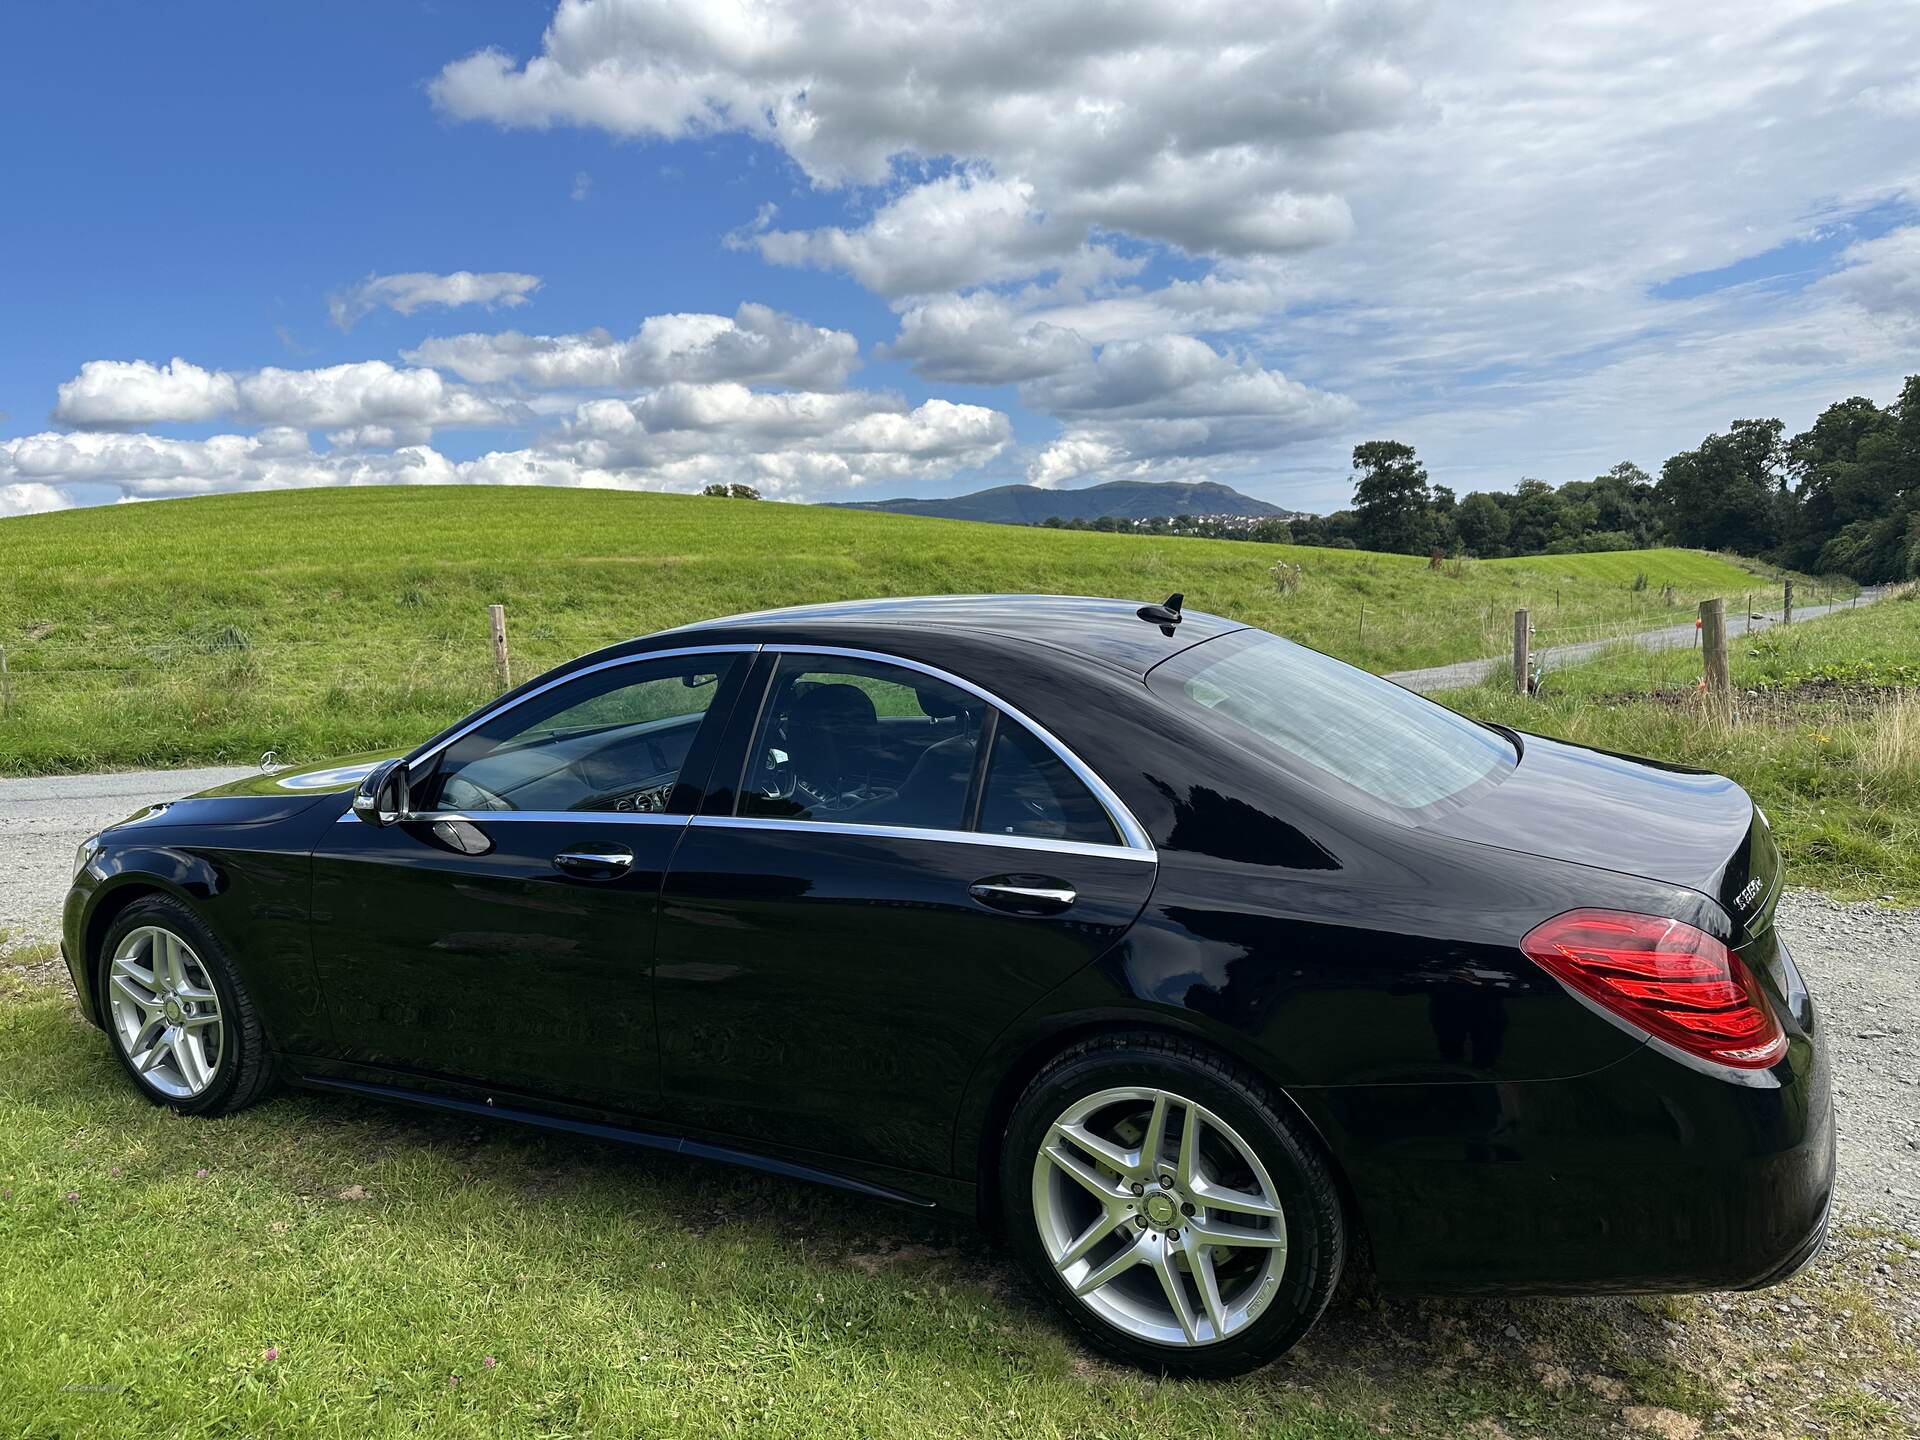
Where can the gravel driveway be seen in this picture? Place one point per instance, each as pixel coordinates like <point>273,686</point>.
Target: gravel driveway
<point>43,819</point>
<point>1862,961</point>
<point>1465,673</point>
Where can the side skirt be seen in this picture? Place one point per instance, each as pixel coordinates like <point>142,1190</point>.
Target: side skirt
<point>625,1135</point>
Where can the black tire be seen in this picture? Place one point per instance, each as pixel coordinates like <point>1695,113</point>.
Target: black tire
<point>1301,1174</point>
<point>244,1072</point>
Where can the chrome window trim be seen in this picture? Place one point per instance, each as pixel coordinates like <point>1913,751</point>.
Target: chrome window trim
<point>1135,842</point>
<point>415,760</point>
<point>912,832</point>
<point>1133,834</point>
<point>488,817</point>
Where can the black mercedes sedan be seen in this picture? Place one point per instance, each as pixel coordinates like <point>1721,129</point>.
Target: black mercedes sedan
<point>1186,959</point>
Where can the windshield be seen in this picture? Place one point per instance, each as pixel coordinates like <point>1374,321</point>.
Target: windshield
<point>1329,722</point>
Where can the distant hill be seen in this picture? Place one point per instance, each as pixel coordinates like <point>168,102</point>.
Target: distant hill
<point>1122,499</point>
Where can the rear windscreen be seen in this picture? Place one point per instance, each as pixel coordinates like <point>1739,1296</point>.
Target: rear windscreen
<point>1333,723</point>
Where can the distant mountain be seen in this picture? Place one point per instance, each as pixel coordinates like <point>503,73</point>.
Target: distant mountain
<point>1122,499</point>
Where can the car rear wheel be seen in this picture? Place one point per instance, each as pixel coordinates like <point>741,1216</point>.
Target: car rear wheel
<point>179,1017</point>
<point>1180,1217</point>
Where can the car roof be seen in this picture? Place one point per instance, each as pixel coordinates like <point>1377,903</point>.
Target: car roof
<point>1109,631</point>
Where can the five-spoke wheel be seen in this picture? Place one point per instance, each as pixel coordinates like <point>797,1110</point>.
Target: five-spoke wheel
<point>1159,1216</point>
<point>1175,1207</point>
<point>180,1017</point>
<point>166,1011</point>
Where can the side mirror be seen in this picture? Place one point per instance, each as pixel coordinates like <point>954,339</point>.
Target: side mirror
<point>383,797</point>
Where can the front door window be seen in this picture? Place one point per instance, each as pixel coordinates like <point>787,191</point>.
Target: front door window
<point>613,740</point>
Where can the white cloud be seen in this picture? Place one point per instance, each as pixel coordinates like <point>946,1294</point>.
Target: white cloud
<point>1882,276</point>
<point>1205,239</point>
<point>1173,406</point>
<point>757,346</point>
<point>1461,220</point>
<point>115,394</point>
<point>679,437</point>
<point>982,339</point>
<point>367,392</point>
<point>1210,124</point>
<point>31,498</point>
<point>134,392</point>
<point>958,230</point>
<point>582,186</point>
<point>416,290</point>
<point>785,443</point>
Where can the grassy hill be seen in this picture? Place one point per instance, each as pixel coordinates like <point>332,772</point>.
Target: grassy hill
<point>326,621</point>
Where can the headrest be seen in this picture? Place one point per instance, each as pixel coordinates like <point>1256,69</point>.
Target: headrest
<point>833,704</point>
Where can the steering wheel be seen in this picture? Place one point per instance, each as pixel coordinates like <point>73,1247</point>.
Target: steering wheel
<point>777,780</point>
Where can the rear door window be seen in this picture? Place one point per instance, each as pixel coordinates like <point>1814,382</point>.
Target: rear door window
<point>1030,791</point>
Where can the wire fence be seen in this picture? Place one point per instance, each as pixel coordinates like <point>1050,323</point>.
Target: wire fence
<point>224,669</point>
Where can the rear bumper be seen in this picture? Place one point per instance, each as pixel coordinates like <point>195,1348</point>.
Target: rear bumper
<point>1648,1176</point>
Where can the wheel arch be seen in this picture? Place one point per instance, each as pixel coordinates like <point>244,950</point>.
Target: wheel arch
<point>987,1132</point>
<point>134,875</point>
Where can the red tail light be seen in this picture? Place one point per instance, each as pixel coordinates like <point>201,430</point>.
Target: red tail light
<point>1663,976</point>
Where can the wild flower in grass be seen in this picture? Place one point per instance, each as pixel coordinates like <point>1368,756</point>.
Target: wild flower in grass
<point>201,1173</point>
<point>272,1352</point>
<point>453,1382</point>
<point>73,1196</point>
<point>488,1362</point>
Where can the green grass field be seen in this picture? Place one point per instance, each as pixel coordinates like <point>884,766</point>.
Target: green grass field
<point>1826,735</point>
<point>328,1267</point>
<point>323,622</point>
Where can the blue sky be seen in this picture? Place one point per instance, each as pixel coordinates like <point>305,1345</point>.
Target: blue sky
<point>1195,241</point>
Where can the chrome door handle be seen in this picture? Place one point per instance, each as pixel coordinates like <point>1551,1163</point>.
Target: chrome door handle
<point>595,864</point>
<point>1023,894</point>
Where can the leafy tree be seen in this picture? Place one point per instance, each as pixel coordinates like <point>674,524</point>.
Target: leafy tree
<point>1481,522</point>
<point>743,492</point>
<point>1854,490</point>
<point>1728,494</point>
<point>1621,500</point>
<point>1536,518</point>
<point>1391,499</point>
<point>719,490</point>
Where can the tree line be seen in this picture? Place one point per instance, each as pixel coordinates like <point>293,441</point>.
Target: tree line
<point>1840,498</point>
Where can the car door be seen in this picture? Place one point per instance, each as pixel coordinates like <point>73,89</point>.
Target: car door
<point>835,954</point>
<point>503,937</point>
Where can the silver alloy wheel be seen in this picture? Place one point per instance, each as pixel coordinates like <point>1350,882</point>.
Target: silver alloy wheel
<point>166,1011</point>
<point>1159,1216</point>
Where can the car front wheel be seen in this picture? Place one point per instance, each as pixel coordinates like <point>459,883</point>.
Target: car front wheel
<point>180,1018</point>
<point>1173,1208</point>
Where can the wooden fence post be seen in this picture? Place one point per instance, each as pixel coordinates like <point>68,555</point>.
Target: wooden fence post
<point>1746,609</point>
<point>497,615</point>
<point>6,687</point>
<point>1713,653</point>
<point>1786,610</point>
<point>1522,650</point>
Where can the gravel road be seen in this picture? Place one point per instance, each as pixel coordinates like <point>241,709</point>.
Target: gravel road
<point>1463,673</point>
<point>43,819</point>
<point>1861,960</point>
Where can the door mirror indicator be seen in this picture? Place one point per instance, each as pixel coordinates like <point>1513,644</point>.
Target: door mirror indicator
<point>384,797</point>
